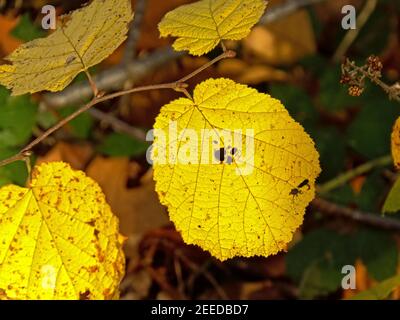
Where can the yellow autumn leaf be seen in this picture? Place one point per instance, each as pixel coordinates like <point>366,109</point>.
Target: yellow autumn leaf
<point>396,144</point>
<point>58,238</point>
<point>200,26</point>
<point>85,38</point>
<point>234,169</point>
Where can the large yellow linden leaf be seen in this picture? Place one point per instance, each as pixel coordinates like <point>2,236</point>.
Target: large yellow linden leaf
<point>200,26</point>
<point>396,144</point>
<point>230,197</point>
<point>87,36</point>
<point>58,238</point>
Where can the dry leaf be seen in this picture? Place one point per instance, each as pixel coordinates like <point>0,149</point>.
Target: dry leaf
<point>58,238</point>
<point>396,144</point>
<point>77,155</point>
<point>284,41</point>
<point>138,208</point>
<point>245,204</point>
<point>201,26</point>
<point>88,36</point>
<point>7,42</point>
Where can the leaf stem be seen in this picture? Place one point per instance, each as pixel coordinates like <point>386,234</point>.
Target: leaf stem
<point>92,84</point>
<point>224,55</point>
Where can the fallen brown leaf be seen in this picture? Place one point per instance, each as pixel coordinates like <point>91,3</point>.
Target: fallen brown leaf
<point>77,155</point>
<point>284,41</point>
<point>7,42</point>
<point>138,208</point>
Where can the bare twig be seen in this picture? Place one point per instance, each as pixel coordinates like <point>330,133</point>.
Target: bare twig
<point>27,149</point>
<point>178,85</point>
<point>371,219</point>
<point>63,122</point>
<point>17,157</point>
<point>225,54</point>
<point>393,91</point>
<point>352,34</point>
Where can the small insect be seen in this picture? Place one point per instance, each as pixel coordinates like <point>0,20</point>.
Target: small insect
<point>306,182</point>
<point>220,154</point>
<point>296,191</point>
<point>226,155</point>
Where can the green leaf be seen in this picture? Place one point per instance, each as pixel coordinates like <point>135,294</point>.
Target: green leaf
<point>26,30</point>
<point>122,145</point>
<point>81,125</point>
<point>379,291</point>
<point>392,203</point>
<point>17,118</point>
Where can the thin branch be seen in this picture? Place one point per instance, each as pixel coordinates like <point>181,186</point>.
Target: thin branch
<point>134,31</point>
<point>351,174</point>
<point>224,55</point>
<point>371,219</point>
<point>352,34</point>
<point>178,85</point>
<point>27,149</point>
<point>283,10</point>
<point>95,101</point>
<point>17,157</point>
<point>393,91</point>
